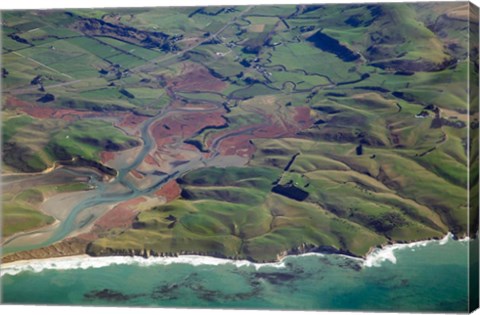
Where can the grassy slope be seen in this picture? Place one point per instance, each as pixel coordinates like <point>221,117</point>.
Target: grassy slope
<point>17,218</point>
<point>33,145</point>
<point>409,183</point>
<point>20,210</point>
<point>236,205</point>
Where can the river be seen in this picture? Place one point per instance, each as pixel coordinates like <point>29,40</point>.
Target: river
<point>427,276</point>
<point>105,193</point>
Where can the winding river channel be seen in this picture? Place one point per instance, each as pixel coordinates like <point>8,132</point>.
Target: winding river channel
<point>107,193</point>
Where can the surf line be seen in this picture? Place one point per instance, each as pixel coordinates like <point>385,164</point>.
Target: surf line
<point>374,259</point>
<point>387,253</point>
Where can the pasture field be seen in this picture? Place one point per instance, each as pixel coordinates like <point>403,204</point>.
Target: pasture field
<point>51,140</point>
<point>17,219</point>
<point>252,132</point>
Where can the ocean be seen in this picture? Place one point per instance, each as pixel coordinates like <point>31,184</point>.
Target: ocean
<point>429,276</point>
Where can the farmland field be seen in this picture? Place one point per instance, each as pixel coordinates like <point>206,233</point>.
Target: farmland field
<point>244,132</point>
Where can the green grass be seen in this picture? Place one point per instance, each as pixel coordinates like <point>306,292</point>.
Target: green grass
<point>304,56</point>
<point>202,96</point>
<point>22,71</point>
<point>108,93</point>
<point>146,93</point>
<point>176,20</point>
<point>301,80</point>
<point>269,10</point>
<point>16,218</point>
<point>147,54</point>
<point>30,196</point>
<point>256,89</point>
<point>236,205</point>
<point>11,125</point>
<point>87,138</point>
<point>66,58</point>
<point>72,187</point>
<point>408,184</point>
<point>126,61</point>
<point>10,44</point>
<point>95,47</point>
<point>36,145</point>
<point>336,179</point>
<point>97,13</point>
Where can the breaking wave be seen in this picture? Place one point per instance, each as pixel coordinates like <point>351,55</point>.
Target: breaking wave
<point>86,262</point>
<point>373,259</point>
<point>387,253</point>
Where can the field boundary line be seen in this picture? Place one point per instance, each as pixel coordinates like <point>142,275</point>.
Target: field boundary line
<point>44,65</point>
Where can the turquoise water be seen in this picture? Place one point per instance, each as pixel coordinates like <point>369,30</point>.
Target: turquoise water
<point>424,278</point>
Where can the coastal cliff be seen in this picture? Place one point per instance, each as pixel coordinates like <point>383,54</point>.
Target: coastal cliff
<point>67,247</point>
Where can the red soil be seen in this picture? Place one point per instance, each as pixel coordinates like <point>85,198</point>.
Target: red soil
<point>89,236</point>
<point>237,145</point>
<point>136,174</point>
<point>274,127</point>
<point>150,160</point>
<point>170,191</point>
<point>196,78</point>
<point>302,117</point>
<point>106,156</point>
<point>122,215</point>
<point>184,125</point>
<point>131,120</point>
<point>43,111</point>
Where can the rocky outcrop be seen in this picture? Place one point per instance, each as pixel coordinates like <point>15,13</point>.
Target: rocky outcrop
<point>147,39</point>
<point>78,246</point>
<point>67,247</point>
<point>311,248</point>
<point>97,251</point>
<point>408,66</point>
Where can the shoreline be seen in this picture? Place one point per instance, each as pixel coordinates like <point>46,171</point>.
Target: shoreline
<point>373,259</point>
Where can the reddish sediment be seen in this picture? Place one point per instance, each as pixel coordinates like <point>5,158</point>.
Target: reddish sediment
<point>136,174</point>
<point>121,216</point>
<point>130,120</point>
<point>170,191</point>
<point>150,160</point>
<point>274,127</point>
<point>106,156</point>
<point>302,117</point>
<point>196,78</point>
<point>43,111</point>
<point>235,145</point>
<point>183,125</point>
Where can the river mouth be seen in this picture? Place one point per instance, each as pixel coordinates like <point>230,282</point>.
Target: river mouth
<point>76,212</point>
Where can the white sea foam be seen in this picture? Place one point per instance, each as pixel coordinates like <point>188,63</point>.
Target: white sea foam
<point>387,253</point>
<point>86,262</point>
<point>374,259</point>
